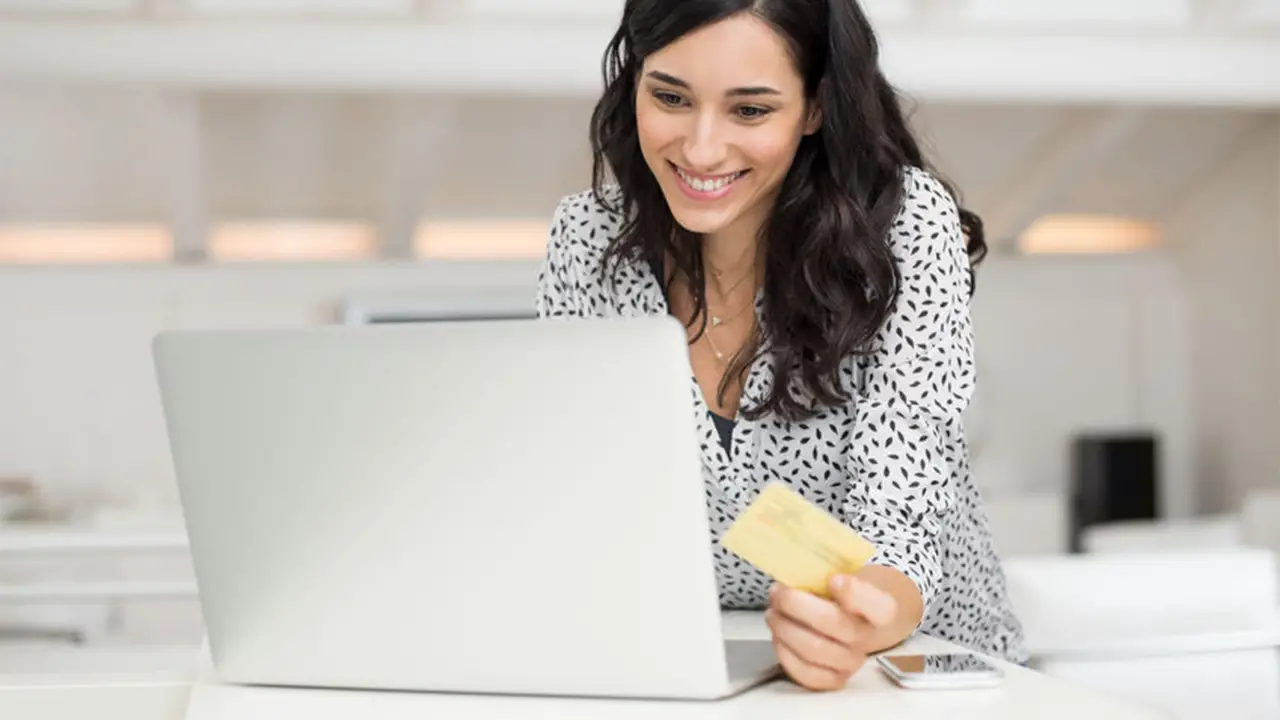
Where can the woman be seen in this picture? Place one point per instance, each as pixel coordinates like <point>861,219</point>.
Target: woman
<point>767,192</point>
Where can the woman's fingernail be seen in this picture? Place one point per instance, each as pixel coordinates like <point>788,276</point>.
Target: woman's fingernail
<point>839,583</point>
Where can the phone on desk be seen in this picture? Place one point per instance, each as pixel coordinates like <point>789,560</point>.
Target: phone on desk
<point>942,671</point>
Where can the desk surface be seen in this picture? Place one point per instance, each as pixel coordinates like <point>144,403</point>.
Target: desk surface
<point>161,696</point>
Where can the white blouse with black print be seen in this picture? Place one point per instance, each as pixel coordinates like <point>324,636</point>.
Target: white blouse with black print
<point>893,463</point>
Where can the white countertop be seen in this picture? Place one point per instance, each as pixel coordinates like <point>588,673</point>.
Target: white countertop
<point>164,695</point>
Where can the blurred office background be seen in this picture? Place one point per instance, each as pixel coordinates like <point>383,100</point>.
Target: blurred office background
<point>266,163</point>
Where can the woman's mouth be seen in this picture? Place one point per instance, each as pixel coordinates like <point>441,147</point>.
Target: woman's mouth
<point>706,187</point>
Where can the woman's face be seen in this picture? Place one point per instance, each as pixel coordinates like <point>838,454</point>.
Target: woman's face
<point>720,114</point>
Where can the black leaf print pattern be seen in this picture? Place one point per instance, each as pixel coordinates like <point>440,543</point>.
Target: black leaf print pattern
<point>893,463</point>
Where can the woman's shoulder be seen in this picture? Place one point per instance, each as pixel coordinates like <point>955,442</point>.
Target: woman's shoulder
<point>588,221</point>
<point>926,197</point>
<point>928,220</point>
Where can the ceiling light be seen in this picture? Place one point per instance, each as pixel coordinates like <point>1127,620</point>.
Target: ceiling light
<point>300,240</point>
<point>85,243</point>
<point>481,239</point>
<point>1088,235</point>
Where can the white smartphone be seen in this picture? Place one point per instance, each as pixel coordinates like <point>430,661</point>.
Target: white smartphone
<point>944,671</point>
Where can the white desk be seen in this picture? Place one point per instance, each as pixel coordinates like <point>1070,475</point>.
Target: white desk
<point>158,696</point>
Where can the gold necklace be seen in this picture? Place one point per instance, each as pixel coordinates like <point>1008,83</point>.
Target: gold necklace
<point>750,272</point>
<point>715,349</point>
<point>716,321</point>
<point>709,334</point>
<point>719,273</point>
<point>737,283</point>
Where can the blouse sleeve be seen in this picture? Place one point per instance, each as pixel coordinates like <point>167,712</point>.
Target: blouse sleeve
<point>557,288</point>
<point>913,390</point>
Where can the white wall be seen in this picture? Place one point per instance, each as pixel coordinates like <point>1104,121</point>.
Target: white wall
<point>78,404</point>
<point>1227,239</point>
<point>1080,344</point>
<point>109,154</point>
<point>1063,345</point>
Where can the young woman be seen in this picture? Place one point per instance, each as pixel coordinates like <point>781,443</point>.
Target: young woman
<point>766,190</point>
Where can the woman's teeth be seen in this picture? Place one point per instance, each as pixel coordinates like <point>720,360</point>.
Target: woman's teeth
<point>708,185</point>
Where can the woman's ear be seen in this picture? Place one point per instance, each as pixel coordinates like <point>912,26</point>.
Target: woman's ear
<point>813,122</point>
<point>813,117</point>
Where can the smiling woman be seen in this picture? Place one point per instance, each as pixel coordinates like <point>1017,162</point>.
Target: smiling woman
<point>766,190</point>
<point>743,147</point>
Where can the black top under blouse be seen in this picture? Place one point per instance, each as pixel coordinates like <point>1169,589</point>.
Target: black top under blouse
<point>724,426</point>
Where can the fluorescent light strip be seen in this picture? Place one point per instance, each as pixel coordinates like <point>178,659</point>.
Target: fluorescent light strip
<point>1088,235</point>
<point>302,241</point>
<point>481,239</point>
<point>84,243</point>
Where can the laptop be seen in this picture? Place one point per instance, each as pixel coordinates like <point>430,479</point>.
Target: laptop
<point>500,507</point>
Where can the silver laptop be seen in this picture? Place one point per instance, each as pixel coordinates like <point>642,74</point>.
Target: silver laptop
<point>509,507</point>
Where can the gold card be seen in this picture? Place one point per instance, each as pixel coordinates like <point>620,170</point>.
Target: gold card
<point>795,542</point>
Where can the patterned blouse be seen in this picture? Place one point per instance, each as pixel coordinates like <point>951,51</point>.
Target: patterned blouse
<point>893,463</point>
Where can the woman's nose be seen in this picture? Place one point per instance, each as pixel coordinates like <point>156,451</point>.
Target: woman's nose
<point>704,147</point>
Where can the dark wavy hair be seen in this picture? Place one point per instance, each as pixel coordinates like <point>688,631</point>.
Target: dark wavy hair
<point>830,277</point>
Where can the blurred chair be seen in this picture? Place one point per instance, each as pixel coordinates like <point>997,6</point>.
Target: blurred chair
<point>1194,632</point>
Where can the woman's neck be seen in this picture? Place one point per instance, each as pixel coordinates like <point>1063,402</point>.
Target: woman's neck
<point>729,254</point>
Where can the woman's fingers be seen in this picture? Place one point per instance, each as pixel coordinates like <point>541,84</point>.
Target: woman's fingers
<point>821,616</point>
<point>813,647</point>
<point>806,674</point>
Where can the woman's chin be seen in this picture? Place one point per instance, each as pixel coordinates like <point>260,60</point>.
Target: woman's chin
<point>701,220</point>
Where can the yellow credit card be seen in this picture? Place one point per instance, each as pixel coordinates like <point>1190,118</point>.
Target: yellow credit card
<point>795,542</point>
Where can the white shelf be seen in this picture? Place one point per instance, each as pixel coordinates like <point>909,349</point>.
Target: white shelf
<point>544,58</point>
<point>307,8</point>
<point>93,592</point>
<point>87,541</point>
<point>45,7</point>
<point>1076,14</point>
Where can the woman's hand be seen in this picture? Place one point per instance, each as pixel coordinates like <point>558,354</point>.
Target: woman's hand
<point>821,643</point>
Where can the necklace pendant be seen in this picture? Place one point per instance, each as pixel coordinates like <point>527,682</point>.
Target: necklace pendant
<point>719,355</point>
<point>715,321</point>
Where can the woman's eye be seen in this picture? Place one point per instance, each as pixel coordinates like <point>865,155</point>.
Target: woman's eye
<point>668,98</point>
<point>751,112</point>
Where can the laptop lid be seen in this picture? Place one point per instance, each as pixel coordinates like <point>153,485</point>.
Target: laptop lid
<point>503,506</point>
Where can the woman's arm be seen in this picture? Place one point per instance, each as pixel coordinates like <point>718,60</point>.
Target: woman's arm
<point>913,391</point>
<point>907,442</point>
